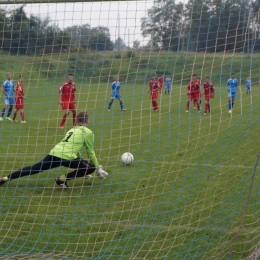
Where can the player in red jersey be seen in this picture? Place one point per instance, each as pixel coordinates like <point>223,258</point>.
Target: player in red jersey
<point>193,93</point>
<point>67,99</point>
<point>154,89</point>
<point>19,99</point>
<point>161,81</point>
<point>209,93</point>
<point>197,98</point>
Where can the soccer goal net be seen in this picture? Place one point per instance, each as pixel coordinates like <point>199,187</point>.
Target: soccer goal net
<point>187,109</point>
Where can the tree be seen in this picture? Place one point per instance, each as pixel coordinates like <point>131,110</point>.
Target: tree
<point>96,38</point>
<point>136,45</point>
<point>202,25</point>
<point>163,25</point>
<point>119,44</point>
<point>29,35</point>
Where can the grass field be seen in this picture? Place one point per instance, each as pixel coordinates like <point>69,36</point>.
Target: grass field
<point>182,198</point>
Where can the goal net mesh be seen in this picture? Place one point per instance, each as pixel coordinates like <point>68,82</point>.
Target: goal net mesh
<point>192,191</point>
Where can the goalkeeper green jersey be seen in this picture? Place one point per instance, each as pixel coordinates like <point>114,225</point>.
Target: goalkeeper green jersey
<point>75,139</point>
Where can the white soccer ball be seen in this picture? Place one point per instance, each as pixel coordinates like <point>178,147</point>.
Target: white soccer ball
<point>127,158</point>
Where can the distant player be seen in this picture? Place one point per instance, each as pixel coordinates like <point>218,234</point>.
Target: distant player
<point>161,81</point>
<point>248,86</point>
<point>67,154</point>
<point>67,99</point>
<point>115,94</point>
<point>168,85</point>
<point>209,93</point>
<point>154,90</point>
<point>193,93</point>
<point>19,99</point>
<point>8,90</point>
<point>198,93</point>
<point>232,87</point>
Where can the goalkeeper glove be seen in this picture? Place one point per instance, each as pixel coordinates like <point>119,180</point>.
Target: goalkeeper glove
<point>101,173</point>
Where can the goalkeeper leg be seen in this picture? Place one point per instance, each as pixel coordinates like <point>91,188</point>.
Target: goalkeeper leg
<point>46,163</point>
<point>83,169</point>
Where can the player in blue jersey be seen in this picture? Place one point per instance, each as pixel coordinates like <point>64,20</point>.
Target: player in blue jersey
<point>168,85</point>
<point>115,87</point>
<point>8,90</point>
<point>248,86</point>
<point>232,87</point>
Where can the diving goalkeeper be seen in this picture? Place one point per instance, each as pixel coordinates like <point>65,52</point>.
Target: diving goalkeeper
<point>67,154</point>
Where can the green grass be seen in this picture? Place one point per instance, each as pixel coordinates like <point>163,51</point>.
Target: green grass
<point>182,198</point>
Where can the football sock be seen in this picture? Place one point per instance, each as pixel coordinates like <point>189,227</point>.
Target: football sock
<point>9,112</point>
<point>232,104</point>
<point>14,116</point>
<point>188,105</point>
<point>229,104</point>
<point>22,115</point>
<point>63,119</point>
<point>3,112</point>
<point>198,105</point>
<point>121,105</point>
<point>155,106</point>
<point>110,104</point>
<point>209,107</point>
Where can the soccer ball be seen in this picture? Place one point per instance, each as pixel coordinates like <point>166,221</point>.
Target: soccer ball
<point>127,158</point>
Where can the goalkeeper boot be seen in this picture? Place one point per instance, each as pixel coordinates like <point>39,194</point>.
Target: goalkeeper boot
<point>61,183</point>
<point>2,181</point>
<point>8,118</point>
<point>1,118</point>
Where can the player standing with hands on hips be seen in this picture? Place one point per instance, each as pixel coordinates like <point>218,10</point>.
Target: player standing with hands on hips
<point>67,100</point>
<point>8,90</point>
<point>115,87</point>
<point>154,89</point>
<point>19,99</point>
<point>67,154</point>
<point>209,93</point>
<point>232,87</point>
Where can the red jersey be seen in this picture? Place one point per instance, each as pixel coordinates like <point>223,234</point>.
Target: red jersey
<point>67,91</point>
<point>154,86</point>
<point>208,88</point>
<point>161,81</point>
<point>19,88</point>
<point>194,86</point>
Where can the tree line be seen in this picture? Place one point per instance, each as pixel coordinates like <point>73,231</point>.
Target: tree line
<point>23,34</point>
<point>204,25</point>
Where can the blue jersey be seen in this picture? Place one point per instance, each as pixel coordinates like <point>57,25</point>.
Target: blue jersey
<point>168,82</point>
<point>248,83</point>
<point>9,88</point>
<point>115,87</point>
<point>232,84</point>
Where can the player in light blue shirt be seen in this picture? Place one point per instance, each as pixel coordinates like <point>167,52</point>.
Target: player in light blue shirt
<point>232,86</point>
<point>248,85</point>
<point>115,87</point>
<point>8,90</point>
<point>168,85</point>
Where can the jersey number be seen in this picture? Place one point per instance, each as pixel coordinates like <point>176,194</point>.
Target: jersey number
<point>68,137</point>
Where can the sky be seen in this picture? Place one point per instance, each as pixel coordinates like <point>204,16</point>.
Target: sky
<point>98,14</point>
